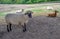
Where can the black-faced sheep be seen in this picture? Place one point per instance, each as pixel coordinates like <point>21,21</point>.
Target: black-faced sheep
<point>18,19</point>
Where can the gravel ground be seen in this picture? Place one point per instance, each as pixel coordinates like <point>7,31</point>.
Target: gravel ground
<point>40,27</point>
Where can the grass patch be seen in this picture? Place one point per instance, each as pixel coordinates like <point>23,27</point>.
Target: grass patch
<point>37,10</point>
<point>2,14</point>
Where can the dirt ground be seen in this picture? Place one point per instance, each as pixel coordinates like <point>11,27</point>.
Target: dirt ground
<point>40,27</point>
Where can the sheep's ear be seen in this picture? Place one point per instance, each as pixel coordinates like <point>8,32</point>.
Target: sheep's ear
<point>26,13</point>
<point>56,11</point>
<point>31,12</point>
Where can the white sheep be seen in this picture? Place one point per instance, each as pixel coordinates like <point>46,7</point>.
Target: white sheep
<point>20,11</point>
<point>18,19</point>
<point>50,8</point>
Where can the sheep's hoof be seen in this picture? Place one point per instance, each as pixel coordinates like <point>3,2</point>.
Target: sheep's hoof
<point>24,30</point>
<point>8,30</point>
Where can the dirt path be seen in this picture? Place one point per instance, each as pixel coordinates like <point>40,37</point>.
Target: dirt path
<point>40,27</point>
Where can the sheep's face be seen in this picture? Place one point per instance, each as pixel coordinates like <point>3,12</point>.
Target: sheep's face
<point>56,11</point>
<point>29,13</point>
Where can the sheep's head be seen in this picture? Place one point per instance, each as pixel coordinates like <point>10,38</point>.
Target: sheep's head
<point>29,13</point>
<point>56,11</point>
<point>22,10</point>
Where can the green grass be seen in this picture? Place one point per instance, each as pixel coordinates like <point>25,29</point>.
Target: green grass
<point>37,10</point>
<point>2,14</point>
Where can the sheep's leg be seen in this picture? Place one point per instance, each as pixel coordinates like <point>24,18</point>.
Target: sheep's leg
<point>24,27</point>
<point>9,27</point>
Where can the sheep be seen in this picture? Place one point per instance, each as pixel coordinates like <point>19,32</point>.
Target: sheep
<point>18,19</point>
<point>53,14</point>
<point>50,8</point>
<point>17,11</point>
<point>20,11</point>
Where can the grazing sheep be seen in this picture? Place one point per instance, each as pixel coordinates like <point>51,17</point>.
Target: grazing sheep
<point>18,19</point>
<point>20,11</point>
<point>53,14</point>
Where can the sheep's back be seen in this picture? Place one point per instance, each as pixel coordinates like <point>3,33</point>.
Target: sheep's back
<point>16,18</point>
